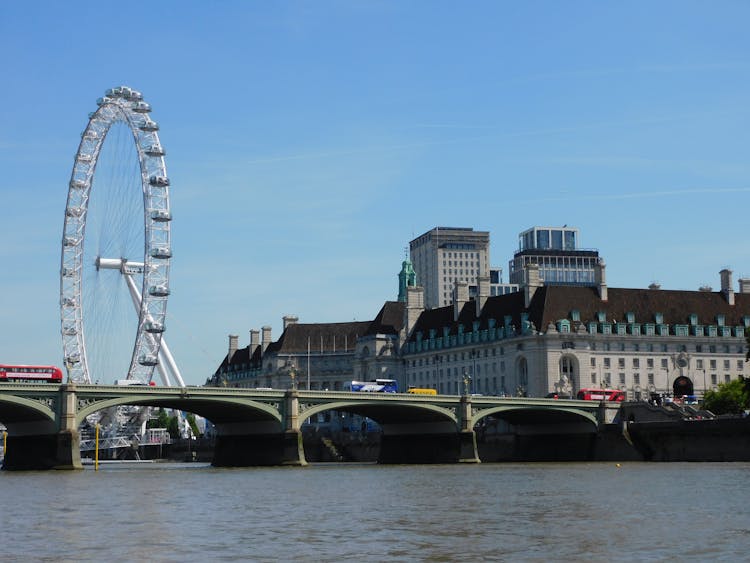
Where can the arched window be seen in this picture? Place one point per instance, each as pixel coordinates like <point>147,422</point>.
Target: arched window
<point>523,374</point>
<point>567,375</point>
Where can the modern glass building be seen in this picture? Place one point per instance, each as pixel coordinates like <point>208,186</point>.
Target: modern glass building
<point>557,253</point>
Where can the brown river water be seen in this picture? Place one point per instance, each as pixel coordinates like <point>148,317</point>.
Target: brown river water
<point>324,512</point>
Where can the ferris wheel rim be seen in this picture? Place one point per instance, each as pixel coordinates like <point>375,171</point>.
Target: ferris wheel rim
<point>120,105</point>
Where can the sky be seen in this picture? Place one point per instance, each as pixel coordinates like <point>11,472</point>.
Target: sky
<point>309,142</point>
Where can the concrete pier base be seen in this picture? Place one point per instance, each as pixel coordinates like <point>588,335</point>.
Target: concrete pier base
<point>451,447</point>
<point>259,450</point>
<point>47,451</point>
<point>468,452</point>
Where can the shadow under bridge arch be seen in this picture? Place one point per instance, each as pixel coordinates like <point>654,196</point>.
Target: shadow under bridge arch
<point>230,415</point>
<point>417,432</point>
<point>249,431</point>
<point>392,417</point>
<point>532,419</point>
<point>24,416</point>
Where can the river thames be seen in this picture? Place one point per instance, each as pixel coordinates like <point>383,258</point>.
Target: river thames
<point>499,512</point>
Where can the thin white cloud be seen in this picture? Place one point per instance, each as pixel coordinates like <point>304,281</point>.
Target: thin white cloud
<point>499,135</point>
<point>637,195</point>
<point>649,68</point>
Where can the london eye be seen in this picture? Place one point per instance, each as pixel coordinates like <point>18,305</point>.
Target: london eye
<point>116,248</point>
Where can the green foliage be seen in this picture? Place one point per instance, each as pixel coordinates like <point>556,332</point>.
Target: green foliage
<point>732,397</point>
<point>193,426</point>
<point>161,421</point>
<point>173,428</point>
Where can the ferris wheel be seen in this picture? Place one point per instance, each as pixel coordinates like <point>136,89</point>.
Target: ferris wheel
<point>116,248</point>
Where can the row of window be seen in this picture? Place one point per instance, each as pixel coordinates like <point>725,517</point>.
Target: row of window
<point>663,347</point>
<point>636,363</point>
<point>456,357</point>
<point>453,273</point>
<point>606,379</point>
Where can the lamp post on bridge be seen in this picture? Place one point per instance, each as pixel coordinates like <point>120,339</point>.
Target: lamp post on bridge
<point>292,374</point>
<point>467,383</point>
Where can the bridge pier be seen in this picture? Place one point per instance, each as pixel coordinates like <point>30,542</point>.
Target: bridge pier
<point>248,450</point>
<point>264,447</point>
<point>436,442</point>
<point>32,448</point>
<point>45,451</point>
<point>443,447</point>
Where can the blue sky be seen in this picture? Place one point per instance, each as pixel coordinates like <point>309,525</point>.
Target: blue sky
<point>308,142</point>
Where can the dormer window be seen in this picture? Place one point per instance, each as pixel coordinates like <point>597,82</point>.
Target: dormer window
<point>563,325</point>
<point>630,317</point>
<point>659,318</point>
<point>601,316</point>
<point>693,319</point>
<point>575,315</point>
<point>720,320</point>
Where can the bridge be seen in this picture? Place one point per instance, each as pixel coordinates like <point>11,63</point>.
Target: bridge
<point>263,427</point>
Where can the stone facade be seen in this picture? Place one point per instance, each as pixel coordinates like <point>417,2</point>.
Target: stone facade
<point>561,339</point>
<point>317,355</point>
<point>541,340</point>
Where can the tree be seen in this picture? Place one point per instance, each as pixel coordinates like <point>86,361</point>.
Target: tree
<point>161,421</point>
<point>732,397</point>
<point>173,428</point>
<point>193,425</point>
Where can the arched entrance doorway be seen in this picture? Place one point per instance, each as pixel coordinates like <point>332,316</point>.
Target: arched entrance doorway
<point>682,386</point>
<point>522,372</point>
<point>566,385</point>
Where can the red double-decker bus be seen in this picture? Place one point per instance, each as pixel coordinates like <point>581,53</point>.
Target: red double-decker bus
<point>601,395</point>
<point>30,374</point>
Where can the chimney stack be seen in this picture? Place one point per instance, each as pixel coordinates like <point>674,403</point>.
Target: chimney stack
<point>414,307</point>
<point>726,285</point>
<point>233,338</point>
<point>289,320</point>
<point>601,279</point>
<point>460,296</point>
<point>483,283</point>
<point>532,283</point>
<point>265,338</point>
<point>254,341</point>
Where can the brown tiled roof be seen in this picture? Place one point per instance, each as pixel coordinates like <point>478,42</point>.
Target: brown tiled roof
<point>323,337</point>
<point>241,356</point>
<point>553,303</point>
<point>675,306</point>
<point>326,337</point>
<point>390,319</point>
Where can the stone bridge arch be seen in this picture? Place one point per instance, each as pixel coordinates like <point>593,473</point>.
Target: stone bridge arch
<point>388,414</point>
<point>28,416</point>
<point>532,415</point>
<point>220,411</point>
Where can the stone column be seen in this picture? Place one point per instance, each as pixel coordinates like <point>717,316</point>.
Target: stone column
<point>68,439</point>
<point>293,450</point>
<point>467,438</point>
<point>48,445</point>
